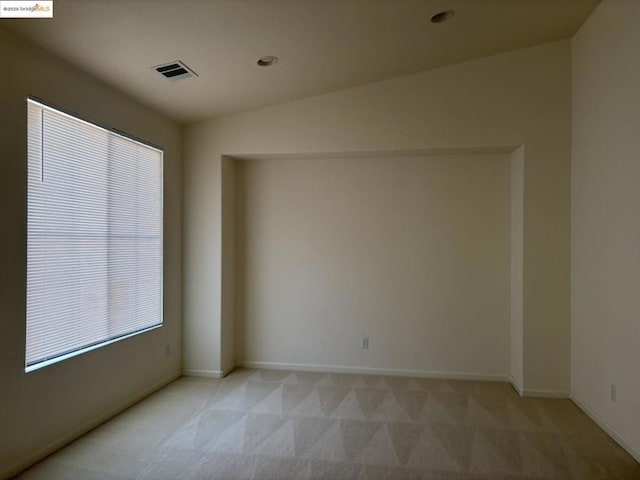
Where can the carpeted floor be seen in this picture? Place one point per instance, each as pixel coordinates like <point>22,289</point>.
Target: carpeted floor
<point>267,424</point>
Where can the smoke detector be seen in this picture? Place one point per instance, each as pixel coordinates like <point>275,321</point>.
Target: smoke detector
<point>267,61</point>
<point>442,16</point>
<point>175,71</point>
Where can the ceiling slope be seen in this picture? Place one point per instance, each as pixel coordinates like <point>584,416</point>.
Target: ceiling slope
<point>323,45</point>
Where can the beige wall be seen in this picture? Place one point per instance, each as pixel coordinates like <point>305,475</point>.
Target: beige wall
<point>228,299</point>
<point>57,402</point>
<point>412,252</point>
<point>516,286</point>
<point>605,271</point>
<point>512,99</point>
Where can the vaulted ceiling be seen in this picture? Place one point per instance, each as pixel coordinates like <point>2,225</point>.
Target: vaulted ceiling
<point>322,45</point>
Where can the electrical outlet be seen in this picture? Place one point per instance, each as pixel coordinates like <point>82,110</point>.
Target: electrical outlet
<point>167,349</point>
<point>613,392</point>
<point>364,342</point>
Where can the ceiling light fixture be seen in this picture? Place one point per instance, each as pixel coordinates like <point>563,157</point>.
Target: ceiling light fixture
<point>442,16</point>
<point>267,61</point>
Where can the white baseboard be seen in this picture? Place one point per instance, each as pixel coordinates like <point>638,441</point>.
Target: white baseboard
<point>612,432</point>
<point>528,392</point>
<point>228,369</point>
<point>516,385</point>
<point>85,428</point>
<point>306,367</point>
<point>190,372</point>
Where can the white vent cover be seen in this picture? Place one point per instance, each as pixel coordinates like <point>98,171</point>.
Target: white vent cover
<point>175,70</point>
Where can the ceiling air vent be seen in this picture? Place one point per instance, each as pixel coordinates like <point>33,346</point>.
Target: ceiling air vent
<point>175,70</point>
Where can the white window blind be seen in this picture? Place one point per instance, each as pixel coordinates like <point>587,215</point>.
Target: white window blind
<point>94,236</point>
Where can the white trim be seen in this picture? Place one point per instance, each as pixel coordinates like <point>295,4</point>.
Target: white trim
<point>73,116</point>
<point>203,373</point>
<point>545,393</point>
<point>376,153</point>
<point>228,369</point>
<point>75,353</point>
<point>612,432</point>
<point>306,367</point>
<point>516,385</point>
<point>85,428</point>
<point>523,392</point>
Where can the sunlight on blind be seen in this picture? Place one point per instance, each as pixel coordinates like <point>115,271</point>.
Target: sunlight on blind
<point>94,235</point>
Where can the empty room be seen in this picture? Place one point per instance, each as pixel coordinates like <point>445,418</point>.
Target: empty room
<point>320,239</point>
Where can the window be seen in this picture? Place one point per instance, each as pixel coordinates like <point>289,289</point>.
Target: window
<point>94,236</point>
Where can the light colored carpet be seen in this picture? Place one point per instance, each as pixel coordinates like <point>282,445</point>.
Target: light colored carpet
<point>266,424</point>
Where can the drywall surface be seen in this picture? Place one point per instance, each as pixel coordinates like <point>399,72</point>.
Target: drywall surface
<point>202,258</point>
<point>517,98</point>
<point>41,407</point>
<point>516,161</point>
<point>605,235</point>
<point>228,266</point>
<point>411,252</point>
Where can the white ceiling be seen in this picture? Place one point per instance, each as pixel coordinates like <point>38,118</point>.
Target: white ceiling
<point>323,45</point>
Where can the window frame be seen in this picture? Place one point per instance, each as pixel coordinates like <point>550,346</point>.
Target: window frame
<point>30,99</point>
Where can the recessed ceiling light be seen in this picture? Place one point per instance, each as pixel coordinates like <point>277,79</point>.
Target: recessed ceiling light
<point>267,61</point>
<point>442,16</point>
